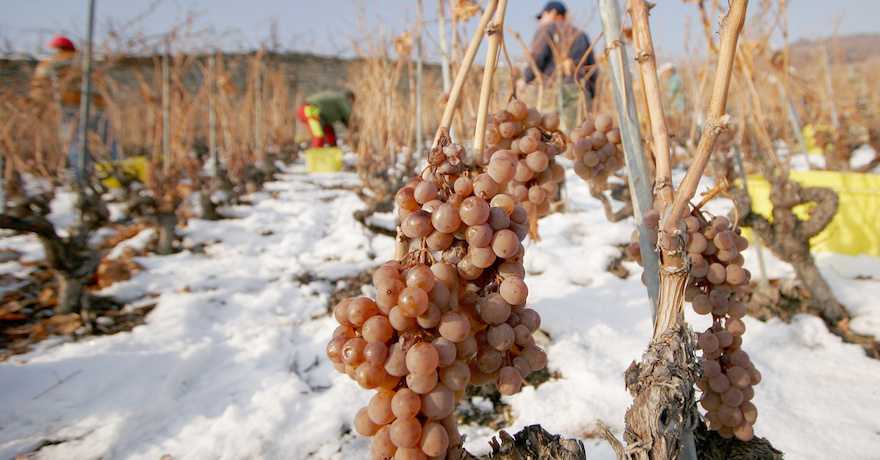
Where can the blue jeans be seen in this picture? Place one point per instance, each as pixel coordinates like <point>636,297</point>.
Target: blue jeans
<point>98,124</point>
<point>571,93</point>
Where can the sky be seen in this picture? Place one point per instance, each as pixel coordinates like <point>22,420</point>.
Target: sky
<point>300,25</point>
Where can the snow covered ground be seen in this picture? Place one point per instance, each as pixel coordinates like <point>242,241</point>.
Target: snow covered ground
<point>231,362</point>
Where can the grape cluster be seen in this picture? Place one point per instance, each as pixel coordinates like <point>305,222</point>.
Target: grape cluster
<point>522,148</point>
<point>716,278</point>
<point>595,148</point>
<point>451,313</point>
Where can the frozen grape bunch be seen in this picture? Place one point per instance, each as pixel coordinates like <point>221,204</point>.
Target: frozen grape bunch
<point>451,313</point>
<point>716,280</point>
<point>595,149</point>
<point>522,148</point>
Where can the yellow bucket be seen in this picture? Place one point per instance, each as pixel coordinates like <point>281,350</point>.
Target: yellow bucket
<point>324,159</point>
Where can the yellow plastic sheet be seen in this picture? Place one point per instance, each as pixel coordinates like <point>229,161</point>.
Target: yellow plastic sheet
<point>818,138</point>
<point>133,167</point>
<point>855,228</point>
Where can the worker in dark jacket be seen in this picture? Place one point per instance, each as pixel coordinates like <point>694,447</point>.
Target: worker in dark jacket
<point>321,110</point>
<point>557,49</point>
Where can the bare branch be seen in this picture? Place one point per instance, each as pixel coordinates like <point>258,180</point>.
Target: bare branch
<point>716,121</point>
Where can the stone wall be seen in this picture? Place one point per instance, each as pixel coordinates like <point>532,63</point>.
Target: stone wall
<point>133,78</point>
<point>306,73</point>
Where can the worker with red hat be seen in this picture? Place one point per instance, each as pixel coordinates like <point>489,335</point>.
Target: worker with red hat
<point>59,78</point>
<point>54,73</point>
<point>60,42</point>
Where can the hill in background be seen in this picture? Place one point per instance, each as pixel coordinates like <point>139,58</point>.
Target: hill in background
<point>850,49</point>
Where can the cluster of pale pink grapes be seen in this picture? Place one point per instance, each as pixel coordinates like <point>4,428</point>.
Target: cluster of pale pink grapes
<point>716,278</point>
<point>453,311</point>
<point>522,149</point>
<point>595,148</point>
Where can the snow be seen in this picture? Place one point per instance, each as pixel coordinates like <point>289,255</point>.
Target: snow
<point>231,364</point>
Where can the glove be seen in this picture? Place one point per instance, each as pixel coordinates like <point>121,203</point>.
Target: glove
<point>313,114</point>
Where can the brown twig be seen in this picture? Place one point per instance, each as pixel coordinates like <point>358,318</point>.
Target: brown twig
<point>495,32</point>
<point>716,120</point>
<point>446,120</point>
<point>539,76</point>
<point>648,66</point>
<point>57,384</point>
<point>721,186</point>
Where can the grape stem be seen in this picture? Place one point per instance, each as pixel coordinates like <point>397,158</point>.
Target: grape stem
<point>400,245</point>
<point>453,293</point>
<point>735,212</point>
<point>418,256</point>
<point>456,451</point>
<point>424,253</point>
<point>721,186</point>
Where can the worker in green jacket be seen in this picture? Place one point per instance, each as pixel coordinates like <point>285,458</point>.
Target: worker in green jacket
<point>321,110</point>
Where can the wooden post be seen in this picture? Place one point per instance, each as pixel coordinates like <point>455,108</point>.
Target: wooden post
<point>85,101</point>
<point>444,48</point>
<point>212,118</point>
<point>258,111</point>
<point>445,71</point>
<point>166,108</point>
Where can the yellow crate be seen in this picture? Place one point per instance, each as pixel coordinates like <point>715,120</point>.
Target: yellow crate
<point>324,159</point>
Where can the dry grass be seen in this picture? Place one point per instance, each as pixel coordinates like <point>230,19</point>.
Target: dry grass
<point>255,116</point>
<point>772,99</point>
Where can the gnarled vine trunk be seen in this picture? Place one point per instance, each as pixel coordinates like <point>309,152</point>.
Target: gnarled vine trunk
<point>533,442</point>
<point>619,192</point>
<point>71,258</point>
<point>166,222</point>
<point>664,404</point>
<point>788,237</point>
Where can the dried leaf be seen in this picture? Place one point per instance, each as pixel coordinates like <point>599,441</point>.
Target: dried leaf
<point>12,316</point>
<point>63,324</point>
<point>111,271</point>
<point>48,296</point>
